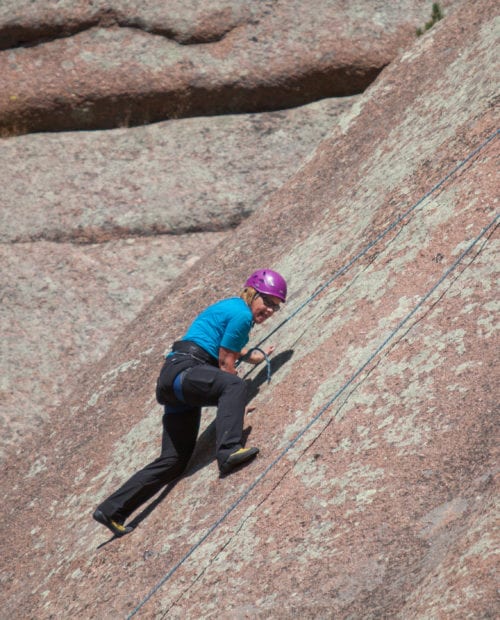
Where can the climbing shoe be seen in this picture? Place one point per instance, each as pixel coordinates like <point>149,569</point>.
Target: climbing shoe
<point>238,458</point>
<point>117,528</point>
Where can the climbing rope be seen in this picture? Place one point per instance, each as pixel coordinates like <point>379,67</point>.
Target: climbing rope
<point>342,270</point>
<point>267,359</point>
<point>353,377</point>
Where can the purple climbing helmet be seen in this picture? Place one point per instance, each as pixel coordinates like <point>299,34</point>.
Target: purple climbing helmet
<point>268,282</point>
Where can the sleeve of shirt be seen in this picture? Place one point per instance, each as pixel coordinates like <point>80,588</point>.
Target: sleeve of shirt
<point>236,333</point>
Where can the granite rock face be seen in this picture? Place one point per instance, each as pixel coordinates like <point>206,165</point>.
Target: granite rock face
<point>374,492</point>
<point>94,224</point>
<point>192,175</point>
<point>101,206</point>
<point>80,65</point>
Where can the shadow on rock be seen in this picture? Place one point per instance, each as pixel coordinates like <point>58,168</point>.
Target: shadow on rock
<point>139,518</point>
<point>277,362</point>
<point>150,507</point>
<point>204,453</point>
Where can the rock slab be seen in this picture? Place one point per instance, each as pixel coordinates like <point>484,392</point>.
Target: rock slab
<point>94,224</point>
<point>112,64</point>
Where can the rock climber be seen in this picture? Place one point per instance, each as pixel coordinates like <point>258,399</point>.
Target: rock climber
<point>201,370</point>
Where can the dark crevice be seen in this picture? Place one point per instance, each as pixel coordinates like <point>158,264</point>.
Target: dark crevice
<point>92,235</point>
<point>191,100</point>
<point>16,35</point>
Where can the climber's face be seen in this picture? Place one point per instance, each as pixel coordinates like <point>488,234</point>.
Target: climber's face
<point>264,306</point>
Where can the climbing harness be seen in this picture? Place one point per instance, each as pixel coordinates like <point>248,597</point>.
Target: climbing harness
<point>353,377</point>
<point>177,386</point>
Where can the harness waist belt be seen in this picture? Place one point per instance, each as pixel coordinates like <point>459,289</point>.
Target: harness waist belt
<point>190,348</point>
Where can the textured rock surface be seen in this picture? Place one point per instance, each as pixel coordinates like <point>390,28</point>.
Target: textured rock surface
<point>62,307</point>
<point>84,219</point>
<point>191,175</point>
<point>133,63</point>
<point>374,493</point>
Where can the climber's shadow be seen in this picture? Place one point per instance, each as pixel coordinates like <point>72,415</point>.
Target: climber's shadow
<point>254,385</point>
<point>203,455</point>
<point>204,452</point>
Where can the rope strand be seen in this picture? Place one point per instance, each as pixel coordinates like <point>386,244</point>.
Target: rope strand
<point>342,270</point>
<point>267,359</point>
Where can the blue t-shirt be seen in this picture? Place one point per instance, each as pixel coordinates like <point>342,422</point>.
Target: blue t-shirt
<point>226,323</point>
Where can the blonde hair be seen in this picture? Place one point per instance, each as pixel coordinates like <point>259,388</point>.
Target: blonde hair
<point>248,295</point>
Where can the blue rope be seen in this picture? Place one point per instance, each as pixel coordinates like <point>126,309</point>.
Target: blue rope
<point>381,235</point>
<point>266,358</point>
<point>353,377</point>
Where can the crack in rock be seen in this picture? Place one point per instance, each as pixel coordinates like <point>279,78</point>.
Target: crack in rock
<point>16,34</point>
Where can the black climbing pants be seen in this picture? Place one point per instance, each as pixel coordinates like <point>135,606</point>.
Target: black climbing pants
<point>202,385</point>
